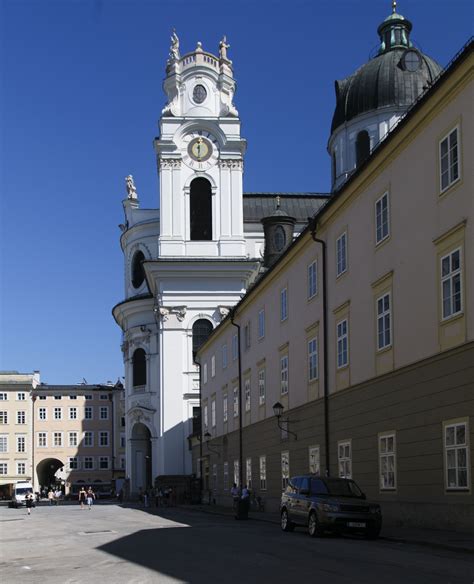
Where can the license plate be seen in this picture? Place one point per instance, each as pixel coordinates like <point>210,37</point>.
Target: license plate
<point>355,524</point>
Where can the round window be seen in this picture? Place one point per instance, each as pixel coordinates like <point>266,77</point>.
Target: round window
<point>138,273</point>
<point>199,94</point>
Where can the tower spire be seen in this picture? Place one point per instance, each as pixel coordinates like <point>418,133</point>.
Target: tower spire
<point>394,6</point>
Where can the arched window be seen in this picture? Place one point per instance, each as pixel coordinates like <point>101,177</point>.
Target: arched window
<point>202,328</point>
<point>139,367</point>
<point>138,273</point>
<point>201,210</point>
<point>362,147</point>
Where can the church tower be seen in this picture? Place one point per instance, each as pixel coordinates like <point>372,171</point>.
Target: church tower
<point>200,158</point>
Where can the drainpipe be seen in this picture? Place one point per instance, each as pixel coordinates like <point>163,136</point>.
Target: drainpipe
<point>312,225</point>
<point>237,326</point>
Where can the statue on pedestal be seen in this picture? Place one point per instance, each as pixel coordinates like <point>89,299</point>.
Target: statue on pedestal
<point>131,188</point>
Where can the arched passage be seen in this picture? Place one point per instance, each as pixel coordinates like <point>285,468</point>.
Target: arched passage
<point>141,457</point>
<point>49,472</point>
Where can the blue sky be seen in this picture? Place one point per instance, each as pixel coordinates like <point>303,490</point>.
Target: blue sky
<point>80,98</point>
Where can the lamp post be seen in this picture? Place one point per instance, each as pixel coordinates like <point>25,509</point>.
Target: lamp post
<point>278,412</point>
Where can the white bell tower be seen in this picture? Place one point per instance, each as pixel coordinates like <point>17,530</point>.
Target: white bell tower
<point>200,158</point>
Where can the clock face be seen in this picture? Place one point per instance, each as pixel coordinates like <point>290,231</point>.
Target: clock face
<point>202,150</point>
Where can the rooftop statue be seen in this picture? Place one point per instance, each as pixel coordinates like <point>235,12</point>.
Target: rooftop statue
<point>174,48</point>
<point>223,46</point>
<point>131,188</point>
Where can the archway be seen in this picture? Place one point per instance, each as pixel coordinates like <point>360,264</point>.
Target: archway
<point>141,457</point>
<point>49,472</point>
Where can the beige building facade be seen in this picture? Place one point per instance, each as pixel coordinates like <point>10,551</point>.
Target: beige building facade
<point>363,331</point>
<point>61,435</point>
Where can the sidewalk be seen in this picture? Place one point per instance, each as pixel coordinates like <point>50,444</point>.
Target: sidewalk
<point>454,541</point>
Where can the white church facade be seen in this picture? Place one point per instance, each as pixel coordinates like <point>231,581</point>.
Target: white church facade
<point>189,261</point>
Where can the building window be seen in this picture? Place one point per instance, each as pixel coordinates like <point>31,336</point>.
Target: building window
<point>213,413</point>
<point>137,271</point>
<point>263,473</point>
<point>284,375</point>
<point>235,347</point>
<point>103,438</point>
<point>224,356</point>
<point>72,438</point>
<point>213,366</point>
<point>261,323</point>
<point>362,147</point>
<point>57,439</point>
<point>457,456</point>
<point>88,439</point>
<point>57,397</point>
<point>122,421</point>
<point>247,335</point>
<point>200,210</point>
<point>261,387</point>
<point>283,304</point>
<point>21,468</point>
<point>88,412</point>
<point>122,462</point>
<point>314,462</point>
<point>248,472</point>
<point>88,463</point>
<point>139,368</point>
<point>388,477</point>
<point>122,440</point>
<point>196,421</point>
<point>42,414</point>
<point>73,463</point>
<point>21,417</point>
<point>73,413</point>
<point>342,344</point>
<point>384,322</point>
<point>21,396</point>
<point>312,359</point>
<point>236,401</point>
<point>88,396</point>
<point>3,468</point>
<point>103,462</point>
<point>451,283</point>
<point>344,455</point>
<point>104,413</point>
<point>341,254</point>
<point>3,443</point>
<point>73,396</point>
<point>21,444</point>
<point>226,477</point>
<point>449,159</point>
<point>382,225</point>
<point>236,472</point>
<point>225,412</point>
<point>3,417</point>
<point>204,373</point>
<point>312,279</point>
<point>206,417</point>
<point>42,440</point>
<point>285,469</point>
<point>247,394</point>
<point>3,396</point>
<point>103,396</point>
<point>42,397</point>
<point>58,413</point>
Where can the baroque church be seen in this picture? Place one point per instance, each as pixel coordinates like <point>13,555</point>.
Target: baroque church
<point>189,261</point>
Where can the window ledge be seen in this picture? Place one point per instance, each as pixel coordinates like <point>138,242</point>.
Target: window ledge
<point>384,350</point>
<point>382,242</point>
<point>452,318</point>
<point>450,187</point>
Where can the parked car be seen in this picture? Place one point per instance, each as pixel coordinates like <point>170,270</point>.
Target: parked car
<point>328,504</point>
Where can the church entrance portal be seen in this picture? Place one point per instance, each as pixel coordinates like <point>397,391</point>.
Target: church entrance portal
<point>141,457</point>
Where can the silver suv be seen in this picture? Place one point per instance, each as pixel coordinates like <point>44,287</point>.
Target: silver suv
<point>328,504</point>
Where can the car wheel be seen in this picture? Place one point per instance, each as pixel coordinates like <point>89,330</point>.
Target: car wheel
<point>285,523</point>
<point>314,527</point>
<point>372,532</point>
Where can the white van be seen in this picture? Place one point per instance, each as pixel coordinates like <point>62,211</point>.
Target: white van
<point>20,490</point>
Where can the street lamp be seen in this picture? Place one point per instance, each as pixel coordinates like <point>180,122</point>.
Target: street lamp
<point>278,412</point>
<point>208,436</point>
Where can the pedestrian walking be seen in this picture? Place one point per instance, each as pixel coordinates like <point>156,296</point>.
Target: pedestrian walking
<point>29,502</point>
<point>145,498</point>
<point>90,497</point>
<point>82,497</point>
<point>234,491</point>
<point>50,497</point>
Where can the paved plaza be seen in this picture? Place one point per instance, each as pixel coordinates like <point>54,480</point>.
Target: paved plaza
<point>112,544</point>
